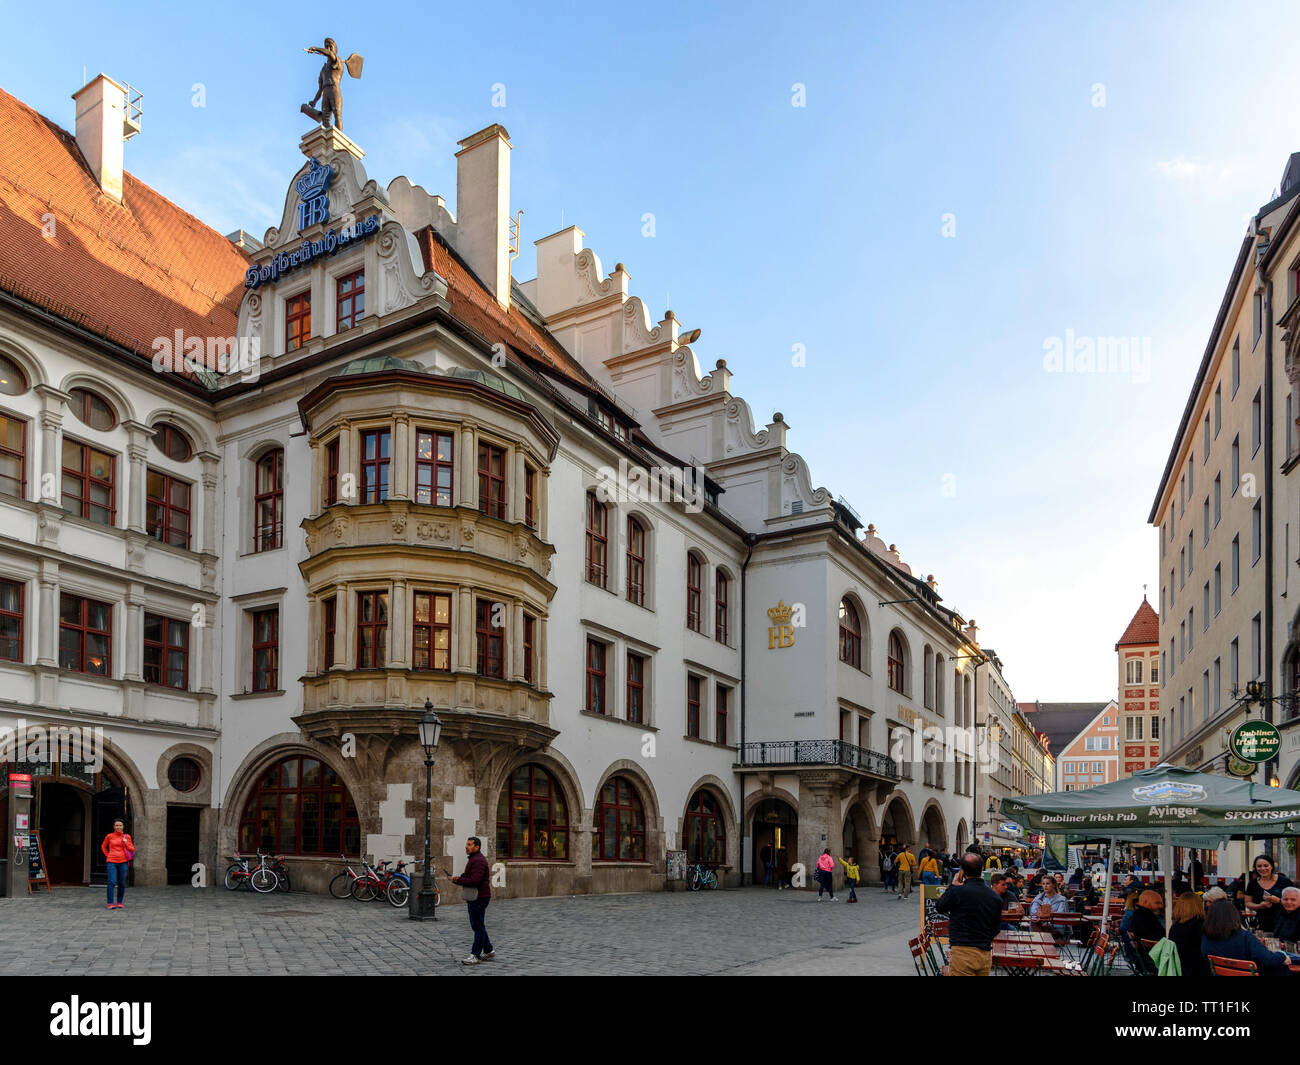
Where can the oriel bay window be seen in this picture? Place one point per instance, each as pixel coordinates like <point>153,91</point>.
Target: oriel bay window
<point>88,482</point>
<point>167,509</point>
<point>489,636</point>
<point>376,447</point>
<point>300,806</point>
<point>530,629</point>
<point>705,834</point>
<point>11,621</point>
<point>372,630</point>
<point>266,649</point>
<point>332,472</point>
<point>432,648</point>
<point>492,481</point>
<point>13,456</point>
<point>166,652</point>
<point>595,677</point>
<point>532,821</point>
<point>85,635</point>
<point>619,824</point>
<point>597,540</point>
<point>434,467</point>
<point>329,626</point>
<point>268,501</point>
<point>530,497</point>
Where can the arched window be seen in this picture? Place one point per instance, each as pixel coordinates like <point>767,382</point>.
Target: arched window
<point>938,683</point>
<point>597,540</point>
<point>172,442</point>
<point>927,690</point>
<point>705,833</point>
<point>13,382</point>
<point>532,823</point>
<point>619,834</point>
<point>721,587</point>
<point>850,634</point>
<point>300,806</point>
<point>268,501</point>
<point>897,663</point>
<point>92,409</point>
<point>694,592</point>
<point>635,562</point>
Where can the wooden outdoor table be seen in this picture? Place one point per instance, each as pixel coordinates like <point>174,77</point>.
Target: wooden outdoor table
<point>1044,938</point>
<point>1015,958</point>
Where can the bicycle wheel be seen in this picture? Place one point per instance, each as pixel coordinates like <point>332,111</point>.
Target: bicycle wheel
<point>264,880</point>
<point>363,888</point>
<point>283,875</point>
<point>341,886</point>
<point>714,882</point>
<point>693,879</point>
<point>398,892</point>
<point>235,878</point>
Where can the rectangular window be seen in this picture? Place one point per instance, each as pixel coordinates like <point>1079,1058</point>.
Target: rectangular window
<point>351,295</point>
<point>720,713</point>
<point>268,501</point>
<point>167,509</point>
<point>376,448</point>
<point>1218,687</point>
<point>1205,694</point>
<point>694,593</point>
<point>13,456</point>
<point>1256,531</point>
<point>1205,607</point>
<point>1256,649</point>
<point>88,483</point>
<point>434,467</point>
<point>1155,726</point>
<point>297,321</point>
<point>1218,410</point>
<point>1257,317</point>
<point>372,630</point>
<point>693,686</point>
<point>1233,663</point>
<point>530,497</point>
<point>1182,641</point>
<point>1234,465</point>
<point>595,677</point>
<point>1155,669</point>
<point>1182,567</point>
<point>720,584</point>
<point>12,594</point>
<point>166,652</point>
<point>1236,366</point>
<point>266,649</point>
<point>1218,499</point>
<point>1205,439</point>
<point>597,541</point>
<point>85,635</point>
<point>492,481</point>
<point>1218,589</point>
<point>1256,422</point>
<point>1205,521</point>
<point>1235,561</point>
<point>635,562</point>
<point>329,626</point>
<point>489,635</point>
<point>635,688</point>
<point>1191,553</point>
<point>432,632</point>
<point>530,629</point>
<point>332,472</point>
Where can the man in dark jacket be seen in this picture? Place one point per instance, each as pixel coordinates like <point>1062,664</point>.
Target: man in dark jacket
<point>974,912</point>
<point>476,882</point>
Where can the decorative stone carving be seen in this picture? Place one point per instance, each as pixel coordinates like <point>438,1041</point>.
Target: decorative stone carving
<point>467,531</point>
<point>399,524</point>
<point>340,527</point>
<point>424,530</point>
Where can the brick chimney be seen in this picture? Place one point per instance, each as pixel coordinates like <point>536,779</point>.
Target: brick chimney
<point>483,208</point>
<point>101,131</point>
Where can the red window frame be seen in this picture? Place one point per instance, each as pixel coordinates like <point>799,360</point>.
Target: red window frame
<point>297,793</point>
<point>694,594</point>
<point>166,436</point>
<point>167,521</point>
<point>489,641</point>
<point>596,677</point>
<point>84,483</point>
<point>266,649</point>
<point>720,588</point>
<point>492,480</point>
<point>619,824</point>
<point>332,472</point>
<point>268,501</point>
<point>720,713</point>
<point>11,620</point>
<point>329,626</point>
<point>9,484</point>
<point>850,634</point>
<point>694,687</point>
<point>597,539</point>
<point>160,671</point>
<point>636,687</point>
<point>703,813</point>
<point>897,664</point>
<point>429,632</point>
<point>530,624</point>
<point>372,629</point>
<point>86,399</point>
<point>84,632</point>
<point>350,300</point>
<point>376,454</point>
<point>297,321</point>
<point>429,471</point>
<point>635,562</point>
<point>530,484</point>
<point>532,800</point>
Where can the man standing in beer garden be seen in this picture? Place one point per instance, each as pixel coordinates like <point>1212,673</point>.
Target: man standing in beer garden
<point>974,912</point>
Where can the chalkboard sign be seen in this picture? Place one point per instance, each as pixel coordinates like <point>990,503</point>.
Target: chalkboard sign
<point>929,898</point>
<point>36,873</point>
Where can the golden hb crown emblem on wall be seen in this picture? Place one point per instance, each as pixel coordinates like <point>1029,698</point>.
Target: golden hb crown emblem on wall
<point>781,634</point>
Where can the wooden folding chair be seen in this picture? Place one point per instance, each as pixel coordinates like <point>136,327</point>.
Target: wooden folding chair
<point>918,956</point>
<point>1231,966</point>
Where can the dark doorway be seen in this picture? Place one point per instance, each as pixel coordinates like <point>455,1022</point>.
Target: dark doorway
<point>62,821</point>
<point>108,806</point>
<point>776,825</point>
<point>182,843</point>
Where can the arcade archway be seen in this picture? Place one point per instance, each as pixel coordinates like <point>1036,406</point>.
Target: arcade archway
<point>775,835</point>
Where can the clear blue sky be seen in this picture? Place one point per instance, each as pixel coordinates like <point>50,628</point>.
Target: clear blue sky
<point>820,226</point>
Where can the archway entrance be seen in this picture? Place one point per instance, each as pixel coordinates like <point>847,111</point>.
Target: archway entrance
<point>933,832</point>
<point>111,803</point>
<point>896,826</point>
<point>776,826</point>
<point>61,818</point>
<point>860,840</point>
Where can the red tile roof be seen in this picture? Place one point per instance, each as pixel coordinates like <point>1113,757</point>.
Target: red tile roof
<point>127,272</point>
<point>1143,629</point>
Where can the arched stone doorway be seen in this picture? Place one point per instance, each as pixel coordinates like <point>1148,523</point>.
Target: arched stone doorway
<point>963,836</point>
<point>776,825</point>
<point>934,833</point>
<point>896,824</point>
<point>862,841</point>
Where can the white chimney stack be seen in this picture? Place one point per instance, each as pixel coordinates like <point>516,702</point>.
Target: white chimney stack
<point>483,208</point>
<point>102,130</point>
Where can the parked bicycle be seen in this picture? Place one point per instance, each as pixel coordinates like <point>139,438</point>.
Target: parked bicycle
<point>341,885</point>
<point>261,878</point>
<point>379,881</point>
<point>702,876</point>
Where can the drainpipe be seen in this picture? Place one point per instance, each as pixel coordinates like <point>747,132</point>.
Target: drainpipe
<point>744,691</point>
<point>1267,326</point>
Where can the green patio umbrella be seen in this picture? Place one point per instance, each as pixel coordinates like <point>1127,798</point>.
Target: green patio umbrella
<point>1167,806</point>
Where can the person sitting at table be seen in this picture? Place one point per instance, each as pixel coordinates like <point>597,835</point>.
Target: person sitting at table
<point>1048,903</point>
<point>1224,937</point>
<point>1211,894</point>
<point>974,912</point>
<point>1186,932</point>
<point>1076,878</point>
<point>1015,882</point>
<point>1286,924</point>
<point>1264,895</point>
<point>1146,921</point>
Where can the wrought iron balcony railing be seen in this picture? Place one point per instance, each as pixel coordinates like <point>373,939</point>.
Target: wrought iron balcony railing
<point>818,752</point>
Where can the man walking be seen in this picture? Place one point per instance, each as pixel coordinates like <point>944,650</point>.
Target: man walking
<point>906,863</point>
<point>765,856</point>
<point>476,888</point>
<point>974,912</point>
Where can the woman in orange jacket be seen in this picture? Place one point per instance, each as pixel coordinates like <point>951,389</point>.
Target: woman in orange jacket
<point>119,849</point>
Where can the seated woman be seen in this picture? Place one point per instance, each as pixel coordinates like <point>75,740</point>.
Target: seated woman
<point>1224,937</point>
<point>1186,932</point>
<point>1049,902</point>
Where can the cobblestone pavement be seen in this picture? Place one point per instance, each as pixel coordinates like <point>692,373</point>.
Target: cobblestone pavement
<point>182,931</point>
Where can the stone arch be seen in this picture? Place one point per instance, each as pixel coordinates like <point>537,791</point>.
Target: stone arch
<point>199,436</point>
<point>31,366</point>
<point>200,796</point>
<point>754,798</point>
<point>933,828</point>
<point>963,837</point>
<point>860,821</point>
<point>123,407</point>
<point>897,811</point>
<point>723,794</point>
<point>625,767</point>
<point>864,622</point>
<point>905,646</point>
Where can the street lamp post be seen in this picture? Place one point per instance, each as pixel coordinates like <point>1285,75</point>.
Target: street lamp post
<point>424,902</point>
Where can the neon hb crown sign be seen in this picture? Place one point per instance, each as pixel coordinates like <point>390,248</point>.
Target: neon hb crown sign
<point>315,205</point>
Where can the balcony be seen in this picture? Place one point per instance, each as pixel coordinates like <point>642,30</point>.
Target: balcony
<point>782,754</point>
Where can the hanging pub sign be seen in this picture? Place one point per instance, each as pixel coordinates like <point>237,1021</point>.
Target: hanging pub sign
<point>1255,741</point>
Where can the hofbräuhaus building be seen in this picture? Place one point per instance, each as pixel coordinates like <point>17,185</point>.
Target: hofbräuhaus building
<point>261,499</point>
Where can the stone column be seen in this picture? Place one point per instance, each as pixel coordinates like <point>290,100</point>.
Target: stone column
<point>211,519</point>
<point>515,509</point>
<point>516,640</point>
<point>316,493</point>
<point>340,633</point>
<point>466,641</point>
<point>348,469</point>
<point>399,640</point>
<point>48,628</point>
<point>540,500</point>
<point>136,450</point>
<point>399,478</point>
<point>49,488</point>
<point>467,482</point>
<point>133,662</point>
<point>204,635</point>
